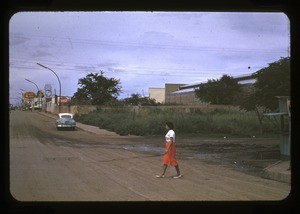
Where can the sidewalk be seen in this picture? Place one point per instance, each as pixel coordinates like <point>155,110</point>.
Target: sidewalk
<point>279,171</point>
<point>91,129</point>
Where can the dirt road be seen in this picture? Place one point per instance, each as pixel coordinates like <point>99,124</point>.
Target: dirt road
<point>51,165</point>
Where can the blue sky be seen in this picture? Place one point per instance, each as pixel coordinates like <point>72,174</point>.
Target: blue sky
<point>142,49</point>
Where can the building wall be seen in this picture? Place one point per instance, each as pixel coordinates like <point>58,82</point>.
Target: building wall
<point>51,107</point>
<point>169,88</point>
<point>82,109</point>
<point>158,94</point>
<point>188,98</point>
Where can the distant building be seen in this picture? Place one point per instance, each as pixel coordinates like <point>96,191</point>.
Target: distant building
<point>185,93</point>
<point>158,94</point>
<point>183,96</point>
<point>169,89</point>
<point>161,95</point>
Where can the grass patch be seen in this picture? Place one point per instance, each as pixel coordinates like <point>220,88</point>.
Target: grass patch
<point>152,122</point>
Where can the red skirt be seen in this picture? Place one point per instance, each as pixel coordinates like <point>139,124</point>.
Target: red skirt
<point>170,157</point>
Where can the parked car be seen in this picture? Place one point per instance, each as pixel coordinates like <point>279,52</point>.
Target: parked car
<point>65,121</point>
<point>12,107</point>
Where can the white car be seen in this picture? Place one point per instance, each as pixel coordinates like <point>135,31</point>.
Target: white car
<point>65,121</point>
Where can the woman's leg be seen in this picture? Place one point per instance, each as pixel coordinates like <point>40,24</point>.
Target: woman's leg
<point>163,172</point>
<point>177,170</point>
<point>164,169</point>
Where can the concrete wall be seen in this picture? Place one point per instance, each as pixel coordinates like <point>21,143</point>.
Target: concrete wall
<point>76,109</point>
<point>169,88</point>
<point>84,109</point>
<point>52,108</point>
<point>187,109</point>
<point>188,98</point>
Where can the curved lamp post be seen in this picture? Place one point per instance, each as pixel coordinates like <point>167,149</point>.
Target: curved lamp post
<point>37,90</point>
<point>59,104</point>
<point>33,83</point>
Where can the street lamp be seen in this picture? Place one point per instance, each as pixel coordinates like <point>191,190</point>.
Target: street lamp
<point>59,104</point>
<point>37,90</point>
<point>33,83</point>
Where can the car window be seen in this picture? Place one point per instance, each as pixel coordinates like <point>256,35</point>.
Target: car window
<point>66,116</point>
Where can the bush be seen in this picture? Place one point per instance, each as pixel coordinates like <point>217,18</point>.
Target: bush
<point>152,122</point>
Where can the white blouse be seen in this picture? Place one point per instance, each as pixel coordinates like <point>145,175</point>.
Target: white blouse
<point>170,134</point>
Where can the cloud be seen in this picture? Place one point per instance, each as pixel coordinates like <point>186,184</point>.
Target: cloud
<point>46,45</point>
<point>154,37</point>
<point>142,49</point>
<point>40,53</point>
<point>117,69</point>
<point>256,23</point>
<point>18,40</point>
<point>107,64</point>
<point>85,68</point>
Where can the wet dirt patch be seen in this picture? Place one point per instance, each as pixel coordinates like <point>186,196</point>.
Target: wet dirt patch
<point>50,159</point>
<point>250,156</point>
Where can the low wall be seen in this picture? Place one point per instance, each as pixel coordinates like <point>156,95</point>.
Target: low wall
<point>84,109</point>
<point>76,109</point>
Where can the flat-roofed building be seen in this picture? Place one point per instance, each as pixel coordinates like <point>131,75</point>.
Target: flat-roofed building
<point>185,93</point>
<point>161,95</point>
<point>169,89</point>
<point>184,96</point>
<point>158,94</point>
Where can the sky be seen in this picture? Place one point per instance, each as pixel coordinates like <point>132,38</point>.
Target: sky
<point>142,49</point>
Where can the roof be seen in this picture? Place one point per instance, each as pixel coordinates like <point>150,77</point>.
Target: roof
<point>65,114</point>
<point>242,79</point>
<point>182,91</point>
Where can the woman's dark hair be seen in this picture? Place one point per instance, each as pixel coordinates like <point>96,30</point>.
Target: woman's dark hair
<point>170,125</point>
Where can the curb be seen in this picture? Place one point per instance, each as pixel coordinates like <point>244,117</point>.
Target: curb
<point>280,171</point>
<point>79,126</point>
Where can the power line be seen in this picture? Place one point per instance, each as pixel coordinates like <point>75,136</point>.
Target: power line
<point>135,72</point>
<point>129,69</point>
<point>145,45</point>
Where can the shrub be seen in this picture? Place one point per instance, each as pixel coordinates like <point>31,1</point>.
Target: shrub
<point>152,122</point>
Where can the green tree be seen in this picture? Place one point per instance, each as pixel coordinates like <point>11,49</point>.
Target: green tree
<point>223,91</point>
<point>137,99</point>
<point>271,81</point>
<point>96,89</point>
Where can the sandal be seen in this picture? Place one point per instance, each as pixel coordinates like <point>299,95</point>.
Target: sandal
<point>177,176</point>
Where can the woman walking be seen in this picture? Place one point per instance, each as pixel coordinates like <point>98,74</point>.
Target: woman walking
<point>169,158</point>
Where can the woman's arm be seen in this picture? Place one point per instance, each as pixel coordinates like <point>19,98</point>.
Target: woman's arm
<point>171,140</point>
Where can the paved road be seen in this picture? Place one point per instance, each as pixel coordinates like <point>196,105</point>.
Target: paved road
<point>51,165</point>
